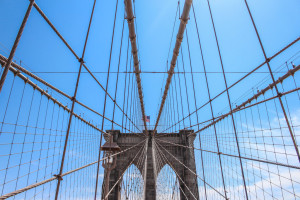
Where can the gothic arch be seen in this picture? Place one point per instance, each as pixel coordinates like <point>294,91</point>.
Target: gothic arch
<point>132,185</point>
<point>187,180</point>
<point>167,188</point>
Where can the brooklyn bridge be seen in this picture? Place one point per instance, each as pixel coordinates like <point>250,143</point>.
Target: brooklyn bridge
<point>132,99</point>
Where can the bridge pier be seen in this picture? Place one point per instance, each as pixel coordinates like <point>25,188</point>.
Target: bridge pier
<point>187,180</point>
<point>150,189</point>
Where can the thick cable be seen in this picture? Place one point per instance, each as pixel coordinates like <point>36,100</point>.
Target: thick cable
<point>245,76</point>
<point>81,60</point>
<point>291,72</point>
<point>15,45</point>
<point>183,21</point>
<point>191,171</point>
<point>267,60</point>
<point>134,50</point>
<point>64,174</point>
<point>76,56</point>
<point>106,195</point>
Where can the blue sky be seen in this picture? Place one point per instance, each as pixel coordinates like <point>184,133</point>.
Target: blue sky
<point>40,50</point>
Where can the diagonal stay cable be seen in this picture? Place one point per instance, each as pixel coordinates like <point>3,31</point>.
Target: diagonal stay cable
<point>144,148</point>
<point>15,45</point>
<point>240,108</point>
<point>64,174</point>
<point>77,57</point>
<point>134,51</point>
<point>191,170</point>
<point>117,81</point>
<point>231,155</point>
<point>17,69</point>
<point>183,21</point>
<point>61,168</point>
<point>259,93</point>
<point>164,158</point>
<point>105,97</point>
<point>238,81</point>
<point>49,96</point>
<point>161,154</point>
<point>273,79</point>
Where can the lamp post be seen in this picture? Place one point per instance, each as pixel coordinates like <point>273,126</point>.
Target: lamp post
<point>109,163</point>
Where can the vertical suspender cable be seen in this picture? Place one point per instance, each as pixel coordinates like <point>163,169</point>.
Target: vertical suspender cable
<point>105,97</point>
<point>117,81</point>
<point>273,79</point>
<point>125,87</point>
<point>210,104</point>
<point>59,176</point>
<point>197,117</point>
<point>183,21</point>
<point>229,101</point>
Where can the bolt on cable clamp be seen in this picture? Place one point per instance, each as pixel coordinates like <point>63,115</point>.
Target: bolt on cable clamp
<point>137,71</point>
<point>184,21</point>
<point>132,38</point>
<point>58,177</point>
<point>130,20</point>
<point>81,60</point>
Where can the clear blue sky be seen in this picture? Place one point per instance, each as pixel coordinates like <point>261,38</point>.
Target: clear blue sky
<point>41,50</point>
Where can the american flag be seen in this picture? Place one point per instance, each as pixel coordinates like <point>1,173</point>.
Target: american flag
<point>147,119</point>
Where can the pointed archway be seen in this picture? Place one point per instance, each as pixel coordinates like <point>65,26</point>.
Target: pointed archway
<point>167,184</point>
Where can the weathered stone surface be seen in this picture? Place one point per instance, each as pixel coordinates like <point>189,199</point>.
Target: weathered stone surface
<point>187,180</point>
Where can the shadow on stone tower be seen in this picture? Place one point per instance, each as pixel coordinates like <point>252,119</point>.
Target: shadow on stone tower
<point>182,156</point>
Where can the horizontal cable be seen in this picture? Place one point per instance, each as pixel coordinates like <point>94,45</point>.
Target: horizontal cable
<point>177,175</point>
<point>255,69</point>
<point>113,100</point>
<point>64,174</point>
<point>18,67</point>
<point>230,155</point>
<point>192,171</point>
<point>261,92</point>
<point>77,57</point>
<point>144,148</point>
<point>183,21</point>
<point>3,60</point>
<point>245,107</point>
<point>148,72</point>
<point>43,92</point>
